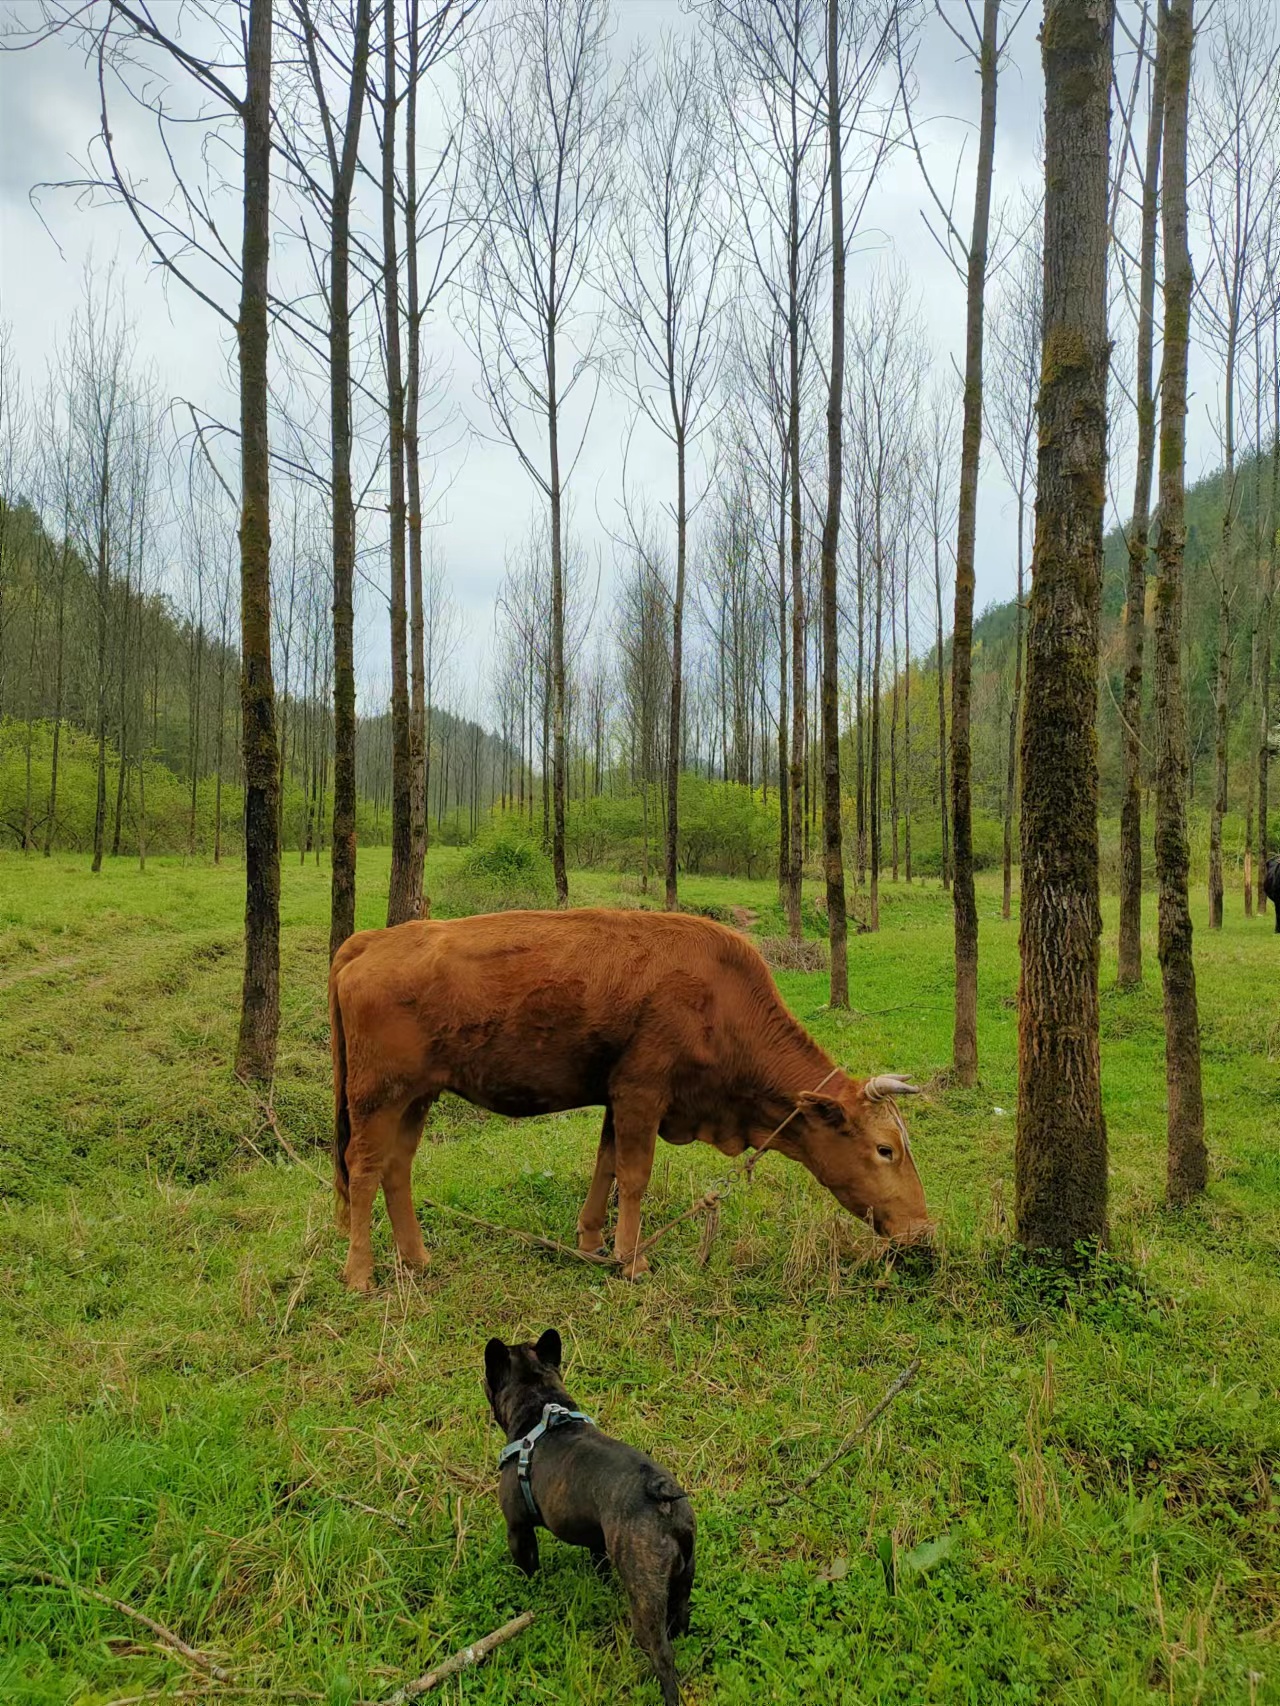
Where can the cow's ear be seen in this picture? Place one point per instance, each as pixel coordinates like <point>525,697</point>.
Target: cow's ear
<point>825,1108</point>
<point>497,1361</point>
<point>549,1348</point>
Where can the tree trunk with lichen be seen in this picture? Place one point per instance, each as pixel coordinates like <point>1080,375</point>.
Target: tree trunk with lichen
<point>1187,1158</point>
<point>1264,628</point>
<point>260,1001</point>
<point>965,1040</point>
<point>832,838</point>
<point>342,905</point>
<point>1060,1162</point>
<point>402,895</point>
<point>1129,964</point>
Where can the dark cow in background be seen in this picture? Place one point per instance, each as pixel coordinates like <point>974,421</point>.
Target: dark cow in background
<point>671,1023</point>
<point>1271,887</point>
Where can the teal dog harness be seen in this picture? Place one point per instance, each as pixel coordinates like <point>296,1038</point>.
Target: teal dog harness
<point>553,1416</point>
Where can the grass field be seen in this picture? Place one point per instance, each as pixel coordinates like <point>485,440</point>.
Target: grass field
<point>1077,1501</point>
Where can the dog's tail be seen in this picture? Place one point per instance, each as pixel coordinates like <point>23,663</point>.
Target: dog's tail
<point>663,1489</point>
<point>341,1112</point>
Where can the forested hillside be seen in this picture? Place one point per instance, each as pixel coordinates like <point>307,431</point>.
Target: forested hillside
<point>1252,546</point>
<point>152,664</point>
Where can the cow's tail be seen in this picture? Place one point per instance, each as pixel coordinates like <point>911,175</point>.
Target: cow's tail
<point>341,1112</point>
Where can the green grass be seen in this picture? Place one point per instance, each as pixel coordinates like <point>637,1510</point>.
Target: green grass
<point>193,1412</point>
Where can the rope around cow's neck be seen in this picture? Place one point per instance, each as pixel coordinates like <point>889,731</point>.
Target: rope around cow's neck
<point>777,1131</point>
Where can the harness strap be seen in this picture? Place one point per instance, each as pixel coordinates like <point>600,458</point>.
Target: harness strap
<point>553,1416</point>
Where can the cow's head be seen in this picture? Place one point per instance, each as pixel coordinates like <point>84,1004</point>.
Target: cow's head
<point>854,1141</point>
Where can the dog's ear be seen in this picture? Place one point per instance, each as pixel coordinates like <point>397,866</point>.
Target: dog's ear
<point>548,1348</point>
<point>497,1360</point>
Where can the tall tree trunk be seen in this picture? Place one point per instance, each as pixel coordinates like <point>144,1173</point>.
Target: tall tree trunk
<point>1060,1161</point>
<point>965,1041</point>
<point>893,725</point>
<point>943,795</point>
<point>1129,967</point>
<point>860,780</point>
<point>1015,713</point>
<point>104,593</point>
<point>784,769</point>
<point>1222,677</point>
<point>557,629</point>
<point>417,661</point>
<point>260,1004</point>
<point>1264,624</point>
<point>799,677</point>
<point>906,710</point>
<point>1187,1159</point>
<point>832,839</point>
<point>400,897</point>
<point>122,714</point>
<point>873,695</point>
<point>677,671</point>
<point>342,905</point>
<point>1221,694</point>
<point>58,674</point>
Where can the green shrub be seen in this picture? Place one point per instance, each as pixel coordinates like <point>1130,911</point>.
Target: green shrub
<point>505,870</point>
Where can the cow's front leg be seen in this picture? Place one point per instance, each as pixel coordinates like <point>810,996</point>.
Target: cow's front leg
<point>635,1138</point>
<point>591,1220</point>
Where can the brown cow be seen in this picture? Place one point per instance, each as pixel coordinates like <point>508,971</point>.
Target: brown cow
<point>672,1023</point>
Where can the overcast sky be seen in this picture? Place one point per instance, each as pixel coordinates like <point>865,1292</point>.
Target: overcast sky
<point>48,113</point>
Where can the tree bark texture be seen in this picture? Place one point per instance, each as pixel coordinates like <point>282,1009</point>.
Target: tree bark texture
<point>1221,693</point>
<point>965,1041</point>
<point>795,858</point>
<point>342,909</point>
<point>1187,1157</point>
<point>1015,719</point>
<point>1129,967</point>
<point>1060,1162</point>
<point>417,659</point>
<point>676,723</point>
<point>832,841</point>
<point>401,896</point>
<point>1265,618</point>
<point>260,1005</point>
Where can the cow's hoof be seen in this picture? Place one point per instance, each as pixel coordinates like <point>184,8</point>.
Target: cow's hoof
<point>590,1243</point>
<point>358,1279</point>
<point>637,1269</point>
<point>417,1262</point>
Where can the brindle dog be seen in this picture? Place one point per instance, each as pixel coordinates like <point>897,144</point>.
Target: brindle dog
<point>592,1491</point>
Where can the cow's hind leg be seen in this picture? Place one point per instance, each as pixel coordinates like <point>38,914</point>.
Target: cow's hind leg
<point>591,1220</point>
<point>373,1142</point>
<point>635,1122</point>
<point>397,1174</point>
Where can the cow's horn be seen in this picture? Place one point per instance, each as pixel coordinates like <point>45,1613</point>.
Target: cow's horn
<point>886,1084</point>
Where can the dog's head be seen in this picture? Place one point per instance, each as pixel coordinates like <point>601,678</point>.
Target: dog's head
<point>511,1371</point>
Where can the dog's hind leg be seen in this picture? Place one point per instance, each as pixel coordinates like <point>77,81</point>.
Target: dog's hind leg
<point>645,1562</point>
<point>678,1591</point>
<point>649,1625</point>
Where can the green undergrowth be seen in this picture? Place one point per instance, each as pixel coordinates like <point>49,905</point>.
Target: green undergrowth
<point>1075,1501</point>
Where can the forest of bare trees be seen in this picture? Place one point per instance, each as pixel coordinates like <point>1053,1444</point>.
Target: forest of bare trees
<point>232,627</point>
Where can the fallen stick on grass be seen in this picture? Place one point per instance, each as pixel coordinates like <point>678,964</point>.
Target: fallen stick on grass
<point>471,1655</point>
<point>166,1636</point>
<point>266,1108</point>
<point>847,1444</point>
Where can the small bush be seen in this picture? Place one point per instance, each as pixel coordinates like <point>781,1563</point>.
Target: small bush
<point>505,871</point>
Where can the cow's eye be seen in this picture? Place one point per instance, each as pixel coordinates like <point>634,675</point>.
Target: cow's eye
<point>884,1152</point>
